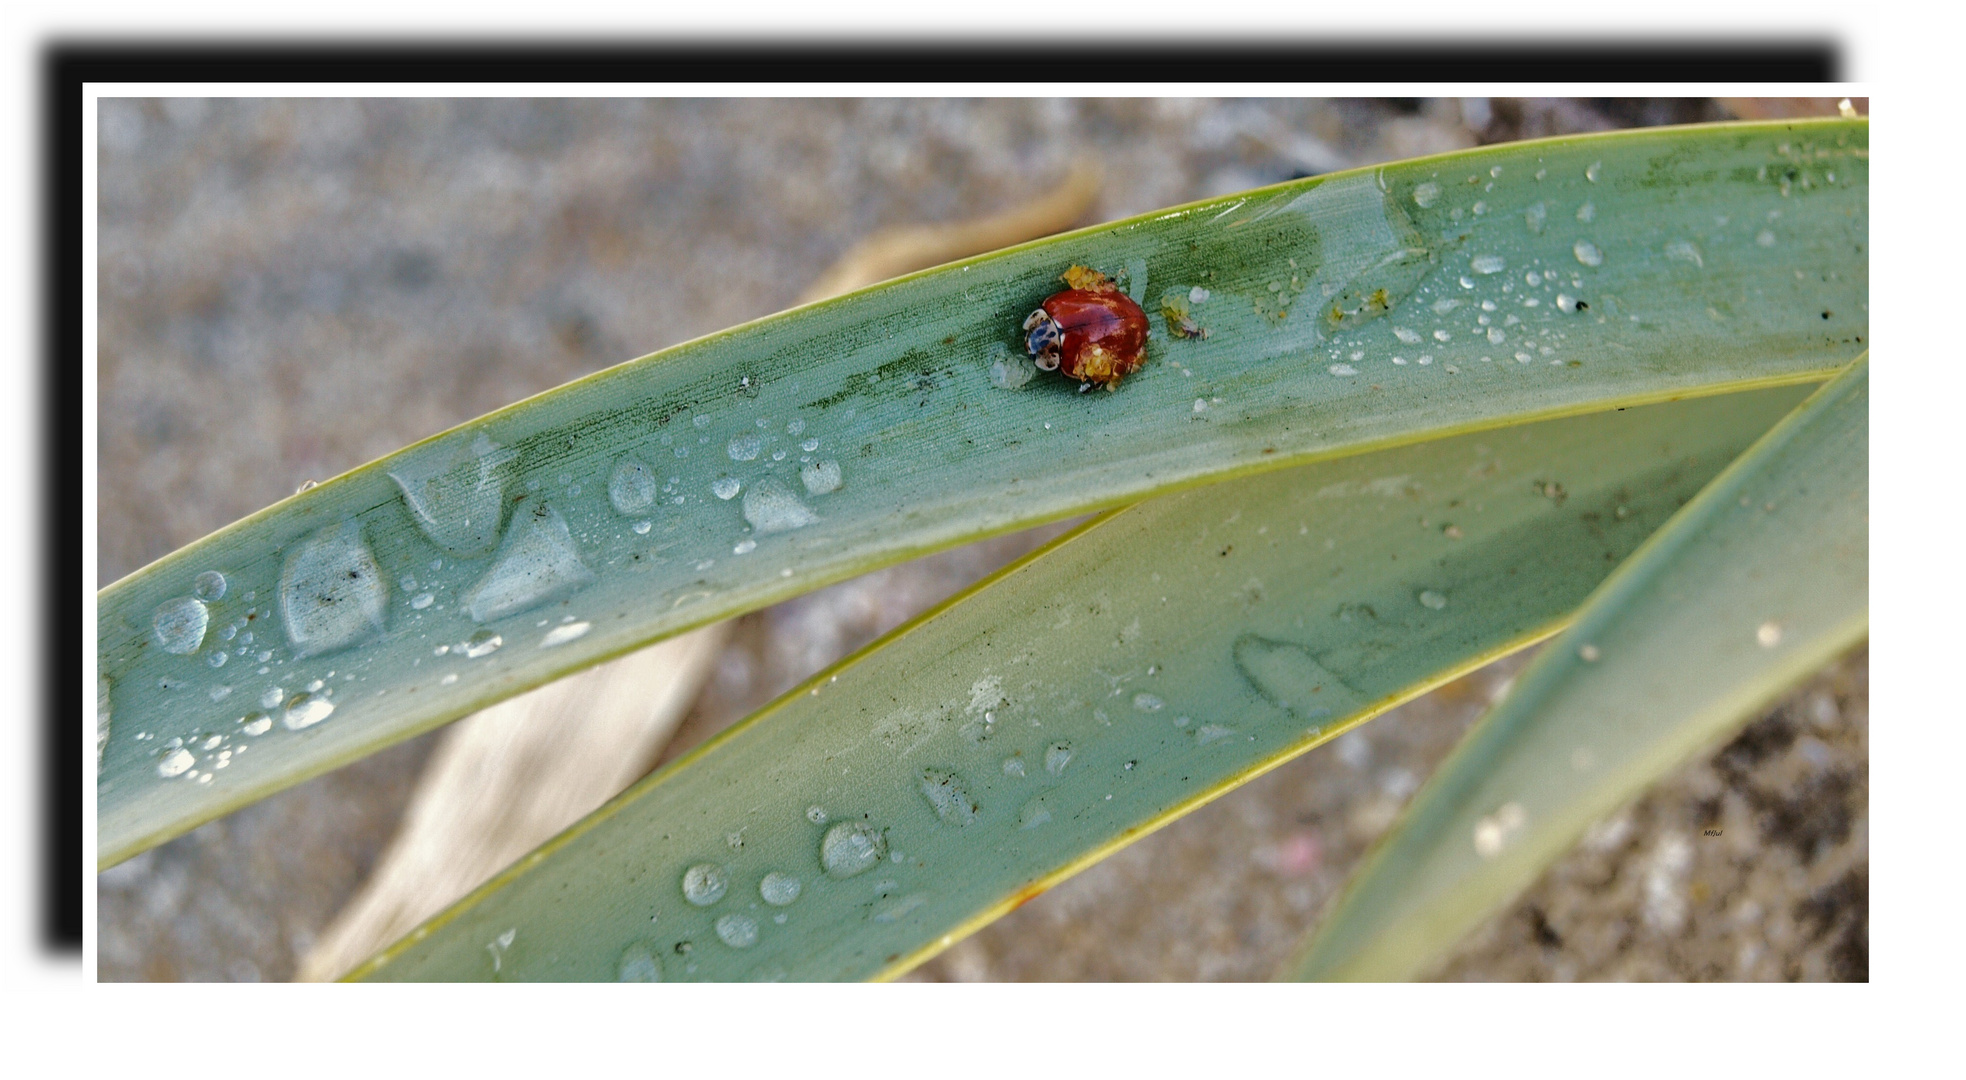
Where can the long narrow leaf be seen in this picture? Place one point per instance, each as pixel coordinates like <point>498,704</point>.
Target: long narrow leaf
<point>1138,668</point>
<point>1343,313</point>
<point>1755,584</point>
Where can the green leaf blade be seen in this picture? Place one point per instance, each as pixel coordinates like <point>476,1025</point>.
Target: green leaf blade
<point>894,385</point>
<point>1758,582</point>
<point>1134,670</point>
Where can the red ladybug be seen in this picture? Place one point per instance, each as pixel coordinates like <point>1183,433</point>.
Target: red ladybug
<point>1091,332</point>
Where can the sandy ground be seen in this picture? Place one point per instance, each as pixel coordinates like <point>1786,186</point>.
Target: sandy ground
<point>291,288</point>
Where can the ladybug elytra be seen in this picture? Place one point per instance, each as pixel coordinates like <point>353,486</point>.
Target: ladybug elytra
<point>1091,332</point>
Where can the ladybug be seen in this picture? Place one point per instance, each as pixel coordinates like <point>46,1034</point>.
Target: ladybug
<point>1091,332</point>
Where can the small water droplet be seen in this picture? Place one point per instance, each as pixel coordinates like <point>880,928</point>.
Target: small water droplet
<point>638,965</point>
<point>894,909</point>
<point>821,477</point>
<point>175,763</point>
<point>1147,702</point>
<point>945,794</point>
<point>1034,813</point>
<point>180,625</point>
<point>1589,653</point>
<point>1343,369</point>
<point>271,697</point>
<point>1765,238</point>
<point>1587,213</point>
<point>422,600</point>
<point>737,931</point>
<point>1566,303</point>
<point>1488,264</point>
<point>641,528</point>
<point>704,884</point>
<point>560,635</point>
<point>1535,216</point>
<point>305,710</point>
<point>779,889</point>
<point>1591,171</point>
<point>256,723</point>
<point>771,507</point>
<point>1209,733</point>
<point>209,586</point>
<point>816,815</point>
<point>482,643</point>
<point>1013,766</point>
<point>1432,599</point>
<point>1426,194</point>
<point>1587,253</point>
<point>851,847</point>
<point>726,487</point>
<point>1411,337</point>
<point>744,447</point>
<point>1056,757</point>
<point>1769,634</point>
<point>1685,251</point>
<point>216,659</point>
<point>631,487</point>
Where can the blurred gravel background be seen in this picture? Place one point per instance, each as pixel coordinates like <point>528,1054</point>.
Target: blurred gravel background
<point>289,288</point>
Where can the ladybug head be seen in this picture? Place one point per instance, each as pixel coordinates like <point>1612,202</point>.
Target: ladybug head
<point>1042,339</point>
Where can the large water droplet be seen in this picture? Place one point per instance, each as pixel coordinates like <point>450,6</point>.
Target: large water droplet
<point>737,931</point>
<point>1056,757</point>
<point>257,723</point>
<point>209,586</point>
<point>332,593</point>
<point>779,889</point>
<point>851,847</point>
<point>638,964</point>
<point>180,625</point>
<point>944,792</point>
<point>704,884</point>
<point>456,491</point>
<point>1426,194</point>
<point>1288,677</point>
<point>175,763</point>
<point>726,487</point>
<point>305,710</point>
<point>631,487</point>
<point>821,477</point>
<point>102,717</point>
<point>744,447</point>
<point>536,563</point>
<point>1587,253</point>
<point>771,507</point>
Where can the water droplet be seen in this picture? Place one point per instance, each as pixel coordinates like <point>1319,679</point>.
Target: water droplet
<point>209,586</point>
<point>216,659</point>
<point>1343,369</point>
<point>944,792</point>
<point>851,847</point>
<point>637,964</point>
<point>1426,194</point>
<point>1591,172</point>
<point>536,563</point>
<point>744,447</point>
<point>1488,264</point>
<point>180,625</point>
<point>456,491</point>
<point>1034,813</point>
<point>1147,702</point>
<point>1009,371</point>
<point>1056,757</point>
<point>737,931</point>
<point>1589,653</point>
<point>631,488</point>
<point>894,909</point>
<point>1566,303</point>
<point>257,723</point>
<point>821,477</point>
<point>1013,766</point>
<point>809,445</point>
<point>1432,599</point>
<point>1411,337</point>
<point>744,547</point>
<point>1535,216</point>
<point>102,717</point>
<point>1492,832</point>
<point>704,884</point>
<point>422,600</point>
<point>175,763</point>
<point>1209,733</point>
<point>726,487</point>
<point>1587,213</point>
<point>305,710</point>
<point>779,889</point>
<point>641,528</point>
<point>1685,251</point>
<point>560,635</point>
<point>332,593</point>
<point>771,507</point>
<point>480,644</point>
<point>1289,677</point>
<point>1765,238</point>
<point>1769,634</point>
<point>816,815</point>
<point>307,485</point>
<point>1587,253</point>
